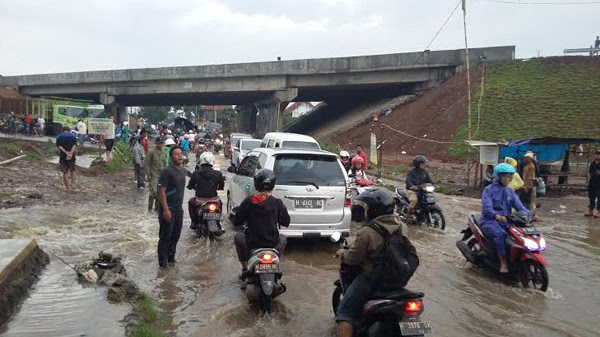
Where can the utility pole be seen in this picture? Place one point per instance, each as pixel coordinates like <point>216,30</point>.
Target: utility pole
<point>464,9</point>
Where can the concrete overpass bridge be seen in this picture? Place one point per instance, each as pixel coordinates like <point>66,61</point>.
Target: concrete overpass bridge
<point>261,89</point>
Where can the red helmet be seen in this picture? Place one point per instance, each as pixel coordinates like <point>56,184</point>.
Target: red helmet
<point>358,159</point>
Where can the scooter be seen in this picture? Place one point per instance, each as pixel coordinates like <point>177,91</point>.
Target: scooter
<point>427,210</point>
<point>261,281</point>
<point>209,215</point>
<point>387,313</point>
<point>524,247</point>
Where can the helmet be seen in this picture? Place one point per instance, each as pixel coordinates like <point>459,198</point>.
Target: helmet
<point>376,201</point>
<point>206,158</point>
<point>169,141</point>
<point>357,159</point>
<point>419,159</point>
<point>529,154</point>
<point>186,136</point>
<point>169,132</point>
<point>191,132</point>
<point>511,161</point>
<point>503,168</point>
<point>344,154</point>
<point>264,180</point>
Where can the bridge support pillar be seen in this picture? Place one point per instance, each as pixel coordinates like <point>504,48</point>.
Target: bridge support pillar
<point>264,116</point>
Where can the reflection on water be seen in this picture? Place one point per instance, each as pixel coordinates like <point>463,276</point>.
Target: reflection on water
<point>200,296</point>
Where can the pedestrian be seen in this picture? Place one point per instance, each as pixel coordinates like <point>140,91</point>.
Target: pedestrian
<point>594,186</point>
<point>169,143</point>
<point>138,163</point>
<point>527,196</point>
<point>66,143</point>
<point>82,130</point>
<point>362,154</point>
<point>154,163</point>
<point>597,44</point>
<point>171,186</point>
<point>109,140</point>
<point>42,123</point>
<point>144,140</point>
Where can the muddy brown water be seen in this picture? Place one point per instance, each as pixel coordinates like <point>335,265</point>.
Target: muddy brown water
<point>200,296</point>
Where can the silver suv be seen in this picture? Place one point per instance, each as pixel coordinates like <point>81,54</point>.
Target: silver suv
<point>311,183</point>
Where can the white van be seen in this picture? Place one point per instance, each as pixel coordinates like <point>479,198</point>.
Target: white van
<point>289,141</point>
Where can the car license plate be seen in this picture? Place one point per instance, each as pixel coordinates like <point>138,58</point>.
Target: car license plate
<point>414,328</point>
<point>267,268</point>
<point>308,203</point>
<point>211,216</point>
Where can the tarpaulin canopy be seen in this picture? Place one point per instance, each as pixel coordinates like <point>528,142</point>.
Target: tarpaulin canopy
<point>547,149</point>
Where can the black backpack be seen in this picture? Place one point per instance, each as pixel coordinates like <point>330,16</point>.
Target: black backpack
<point>397,260</point>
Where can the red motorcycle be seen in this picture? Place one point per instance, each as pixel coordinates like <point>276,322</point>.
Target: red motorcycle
<point>524,247</point>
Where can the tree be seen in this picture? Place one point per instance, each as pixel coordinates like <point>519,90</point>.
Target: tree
<point>155,114</point>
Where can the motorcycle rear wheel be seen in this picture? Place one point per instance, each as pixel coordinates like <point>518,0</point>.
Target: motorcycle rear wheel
<point>265,302</point>
<point>534,275</point>
<point>336,298</point>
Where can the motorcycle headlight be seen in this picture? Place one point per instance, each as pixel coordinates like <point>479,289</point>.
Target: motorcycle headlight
<point>429,189</point>
<point>542,243</point>
<point>530,244</point>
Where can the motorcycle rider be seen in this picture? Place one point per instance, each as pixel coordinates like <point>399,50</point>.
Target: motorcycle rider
<point>345,159</point>
<point>263,214</point>
<point>206,181</point>
<point>493,222</point>
<point>357,171</point>
<point>379,208</point>
<point>415,178</point>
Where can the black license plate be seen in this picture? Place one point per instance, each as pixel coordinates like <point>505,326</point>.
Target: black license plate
<point>308,203</point>
<point>267,268</point>
<point>414,328</point>
<point>211,216</point>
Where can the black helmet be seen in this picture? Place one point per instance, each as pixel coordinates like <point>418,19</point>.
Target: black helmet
<point>378,202</point>
<point>419,159</point>
<point>264,180</point>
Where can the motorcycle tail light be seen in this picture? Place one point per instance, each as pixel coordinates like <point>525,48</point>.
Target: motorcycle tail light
<point>266,258</point>
<point>348,200</point>
<point>413,307</point>
<point>212,207</point>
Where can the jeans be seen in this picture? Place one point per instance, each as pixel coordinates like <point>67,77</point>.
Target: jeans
<point>81,139</point>
<point>139,175</point>
<point>354,300</point>
<point>168,236</point>
<point>243,251</point>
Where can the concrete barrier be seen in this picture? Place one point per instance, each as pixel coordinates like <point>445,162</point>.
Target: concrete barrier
<point>20,264</point>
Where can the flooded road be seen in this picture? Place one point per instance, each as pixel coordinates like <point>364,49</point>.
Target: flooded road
<point>200,296</point>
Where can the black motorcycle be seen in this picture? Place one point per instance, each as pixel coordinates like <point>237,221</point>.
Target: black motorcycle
<point>209,219</point>
<point>394,312</point>
<point>427,210</point>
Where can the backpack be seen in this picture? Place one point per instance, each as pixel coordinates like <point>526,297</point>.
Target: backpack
<point>397,260</point>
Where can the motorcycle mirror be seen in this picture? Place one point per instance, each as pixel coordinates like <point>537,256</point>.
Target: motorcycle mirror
<point>231,169</point>
<point>335,237</point>
<point>498,208</point>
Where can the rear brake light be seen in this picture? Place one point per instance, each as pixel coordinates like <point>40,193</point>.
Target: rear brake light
<point>413,307</point>
<point>212,207</point>
<point>266,258</point>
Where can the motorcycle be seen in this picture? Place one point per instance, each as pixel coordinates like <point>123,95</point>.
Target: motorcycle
<point>217,144</point>
<point>209,215</point>
<point>261,280</point>
<point>524,247</point>
<point>427,210</point>
<point>387,313</point>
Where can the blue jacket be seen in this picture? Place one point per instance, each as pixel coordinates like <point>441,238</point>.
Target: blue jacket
<point>494,195</point>
<point>185,144</point>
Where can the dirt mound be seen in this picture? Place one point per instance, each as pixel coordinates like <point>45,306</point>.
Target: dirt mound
<point>9,93</point>
<point>436,115</point>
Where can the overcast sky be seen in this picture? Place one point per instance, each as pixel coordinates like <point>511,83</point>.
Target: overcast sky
<point>75,35</point>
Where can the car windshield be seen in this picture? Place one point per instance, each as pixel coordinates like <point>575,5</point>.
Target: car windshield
<point>290,144</point>
<point>308,169</point>
<point>251,144</point>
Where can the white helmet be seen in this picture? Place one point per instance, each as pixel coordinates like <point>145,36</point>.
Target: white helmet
<point>169,141</point>
<point>191,132</point>
<point>344,154</point>
<point>207,158</point>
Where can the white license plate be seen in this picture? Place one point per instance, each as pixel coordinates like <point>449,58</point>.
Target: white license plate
<point>308,203</point>
<point>415,328</point>
<point>211,216</point>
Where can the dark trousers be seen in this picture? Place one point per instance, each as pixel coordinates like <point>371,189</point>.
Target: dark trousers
<point>139,175</point>
<point>594,195</point>
<point>168,235</point>
<point>243,251</point>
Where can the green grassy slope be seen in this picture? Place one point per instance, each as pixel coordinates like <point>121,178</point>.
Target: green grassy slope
<point>541,97</point>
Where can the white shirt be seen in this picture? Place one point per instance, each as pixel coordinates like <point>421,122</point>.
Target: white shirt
<point>82,128</point>
<point>192,137</point>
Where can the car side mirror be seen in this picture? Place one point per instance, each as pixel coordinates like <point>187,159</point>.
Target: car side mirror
<point>231,169</point>
<point>498,208</point>
<point>235,148</point>
<point>335,237</point>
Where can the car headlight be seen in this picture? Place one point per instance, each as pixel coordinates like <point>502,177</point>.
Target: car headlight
<point>429,189</point>
<point>530,244</point>
<point>542,243</point>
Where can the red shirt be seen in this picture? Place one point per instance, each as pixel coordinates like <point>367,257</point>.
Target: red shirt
<point>145,144</point>
<point>364,157</point>
<point>29,119</point>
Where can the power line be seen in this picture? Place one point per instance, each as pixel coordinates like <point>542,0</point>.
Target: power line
<point>594,2</point>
